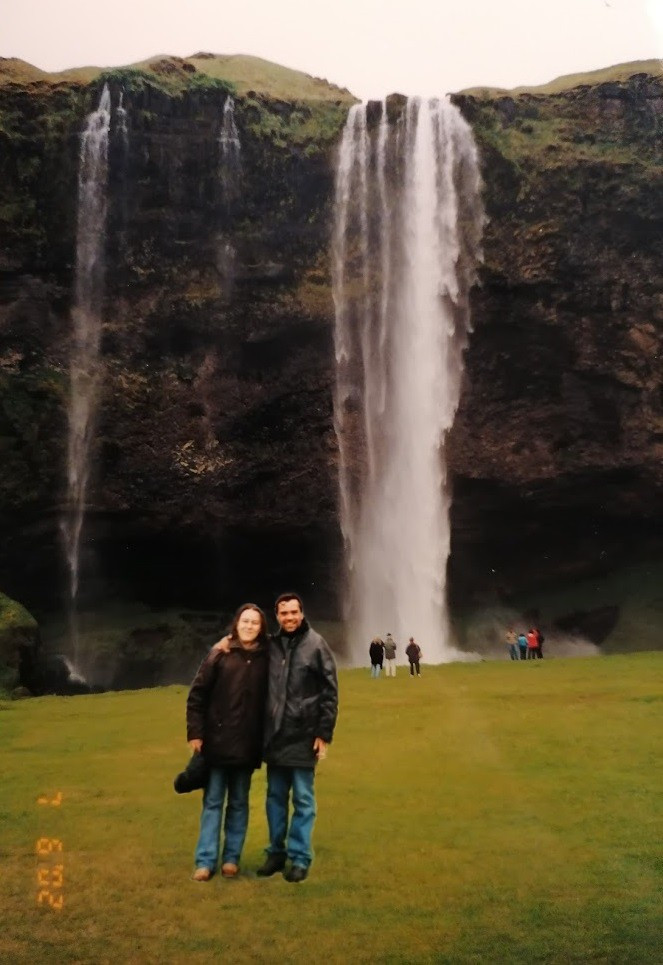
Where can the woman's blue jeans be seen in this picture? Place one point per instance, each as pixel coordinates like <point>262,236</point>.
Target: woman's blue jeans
<point>231,784</point>
<point>294,838</point>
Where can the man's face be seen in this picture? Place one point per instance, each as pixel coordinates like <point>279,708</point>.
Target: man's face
<point>290,615</point>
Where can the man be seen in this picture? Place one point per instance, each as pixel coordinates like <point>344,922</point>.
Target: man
<point>302,705</point>
<point>390,655</point>
<point>512,643</point>
<point>413,654</point>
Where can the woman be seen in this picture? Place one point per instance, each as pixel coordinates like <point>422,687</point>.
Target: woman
<point>225,716</point>
<point>376,653</point>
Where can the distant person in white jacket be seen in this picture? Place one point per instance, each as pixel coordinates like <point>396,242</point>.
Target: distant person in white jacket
<point>390,656</point>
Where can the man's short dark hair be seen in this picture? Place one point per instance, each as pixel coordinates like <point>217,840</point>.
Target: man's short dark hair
<point>285,597</point>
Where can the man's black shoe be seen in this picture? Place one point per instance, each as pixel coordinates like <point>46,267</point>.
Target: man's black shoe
<point>296,874</point>
<point>273,863</point>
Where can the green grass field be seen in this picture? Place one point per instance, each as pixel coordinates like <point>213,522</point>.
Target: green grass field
<point>492,812</point>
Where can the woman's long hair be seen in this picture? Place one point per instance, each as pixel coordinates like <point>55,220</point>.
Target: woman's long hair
<point>262,635</point>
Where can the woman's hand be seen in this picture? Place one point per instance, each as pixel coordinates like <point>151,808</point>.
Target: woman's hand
<point>320,748</point>
<point>196,744</point>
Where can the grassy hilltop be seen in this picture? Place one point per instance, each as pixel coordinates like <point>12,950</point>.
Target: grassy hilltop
<point>482,813</point>
<point>618,72</point>
<point>244,72</point>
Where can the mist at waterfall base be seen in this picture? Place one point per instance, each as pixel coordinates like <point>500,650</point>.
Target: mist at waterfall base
<point>407,239</point>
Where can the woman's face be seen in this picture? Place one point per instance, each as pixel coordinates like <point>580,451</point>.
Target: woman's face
<point>248,626</point>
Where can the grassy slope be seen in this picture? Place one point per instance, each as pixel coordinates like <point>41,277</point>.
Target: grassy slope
<point>568,81</point>
<point>246,72</point>
<point>485,813</point>
<point>250,73</point>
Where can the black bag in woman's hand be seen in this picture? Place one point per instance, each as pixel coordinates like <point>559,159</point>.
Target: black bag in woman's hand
<point>194,776</point>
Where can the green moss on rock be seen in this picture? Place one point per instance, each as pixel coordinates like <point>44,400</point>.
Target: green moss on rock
<point>17,628</point>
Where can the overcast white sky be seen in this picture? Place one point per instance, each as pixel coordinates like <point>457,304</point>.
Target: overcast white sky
<point>373,47</point>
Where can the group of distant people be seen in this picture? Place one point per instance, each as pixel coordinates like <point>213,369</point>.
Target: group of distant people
<point>525,646</point>
<point>383,652</point>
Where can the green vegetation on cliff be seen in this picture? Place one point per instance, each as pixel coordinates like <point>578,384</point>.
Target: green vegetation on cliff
<point>618,72</point>
<point>581,122</point>
<point>241,73</point>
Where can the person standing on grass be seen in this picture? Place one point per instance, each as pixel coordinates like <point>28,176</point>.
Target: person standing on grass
<point>512,643</point>
<point>390,655</point>
<point>540,638</point>
<point>225,714</point>
<point>532,643</point>
<point>413,654</point>
<point>376,653</point>
<point>301,715</point>
<point>522,645</point>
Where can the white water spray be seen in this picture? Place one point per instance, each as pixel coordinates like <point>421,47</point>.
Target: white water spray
<point>406,243</point>
<point>88,299</point>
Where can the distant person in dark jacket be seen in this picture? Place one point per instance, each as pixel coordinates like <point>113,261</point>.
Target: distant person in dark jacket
<point>376,653</point>
<point>225,717</point>
<point>413,654</point>
<point>540,638</point>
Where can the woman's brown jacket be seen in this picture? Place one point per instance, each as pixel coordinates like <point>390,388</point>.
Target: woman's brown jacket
<point>226,706</point>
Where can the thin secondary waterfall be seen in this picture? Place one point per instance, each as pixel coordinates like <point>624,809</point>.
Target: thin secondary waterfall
<point>407,234</point>
<point>230,153</point>
<point>230,168</point>
<point>88,300</point>
<point>122,124</point>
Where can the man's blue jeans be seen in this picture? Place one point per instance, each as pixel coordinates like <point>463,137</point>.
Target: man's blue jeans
<point>293,840</point>
<point>234,784</point>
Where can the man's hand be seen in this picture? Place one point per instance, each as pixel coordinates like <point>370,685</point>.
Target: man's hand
<point>320,748</point>
<point>196,744</point>
<point>223,645</point>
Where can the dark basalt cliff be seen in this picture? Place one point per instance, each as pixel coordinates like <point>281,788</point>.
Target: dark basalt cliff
<point>558,444</point>
<point>215,456</point>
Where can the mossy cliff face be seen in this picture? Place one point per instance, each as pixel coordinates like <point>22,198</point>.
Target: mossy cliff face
<point>557,450</point>
<point>215,460</point>
<point>215,422</point>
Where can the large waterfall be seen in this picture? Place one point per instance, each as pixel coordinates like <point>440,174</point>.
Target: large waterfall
<point>407,237</point>
<point>87,311</point>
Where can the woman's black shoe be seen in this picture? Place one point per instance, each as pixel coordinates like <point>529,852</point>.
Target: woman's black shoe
<point>273,863</point>
<point>296,874</point>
